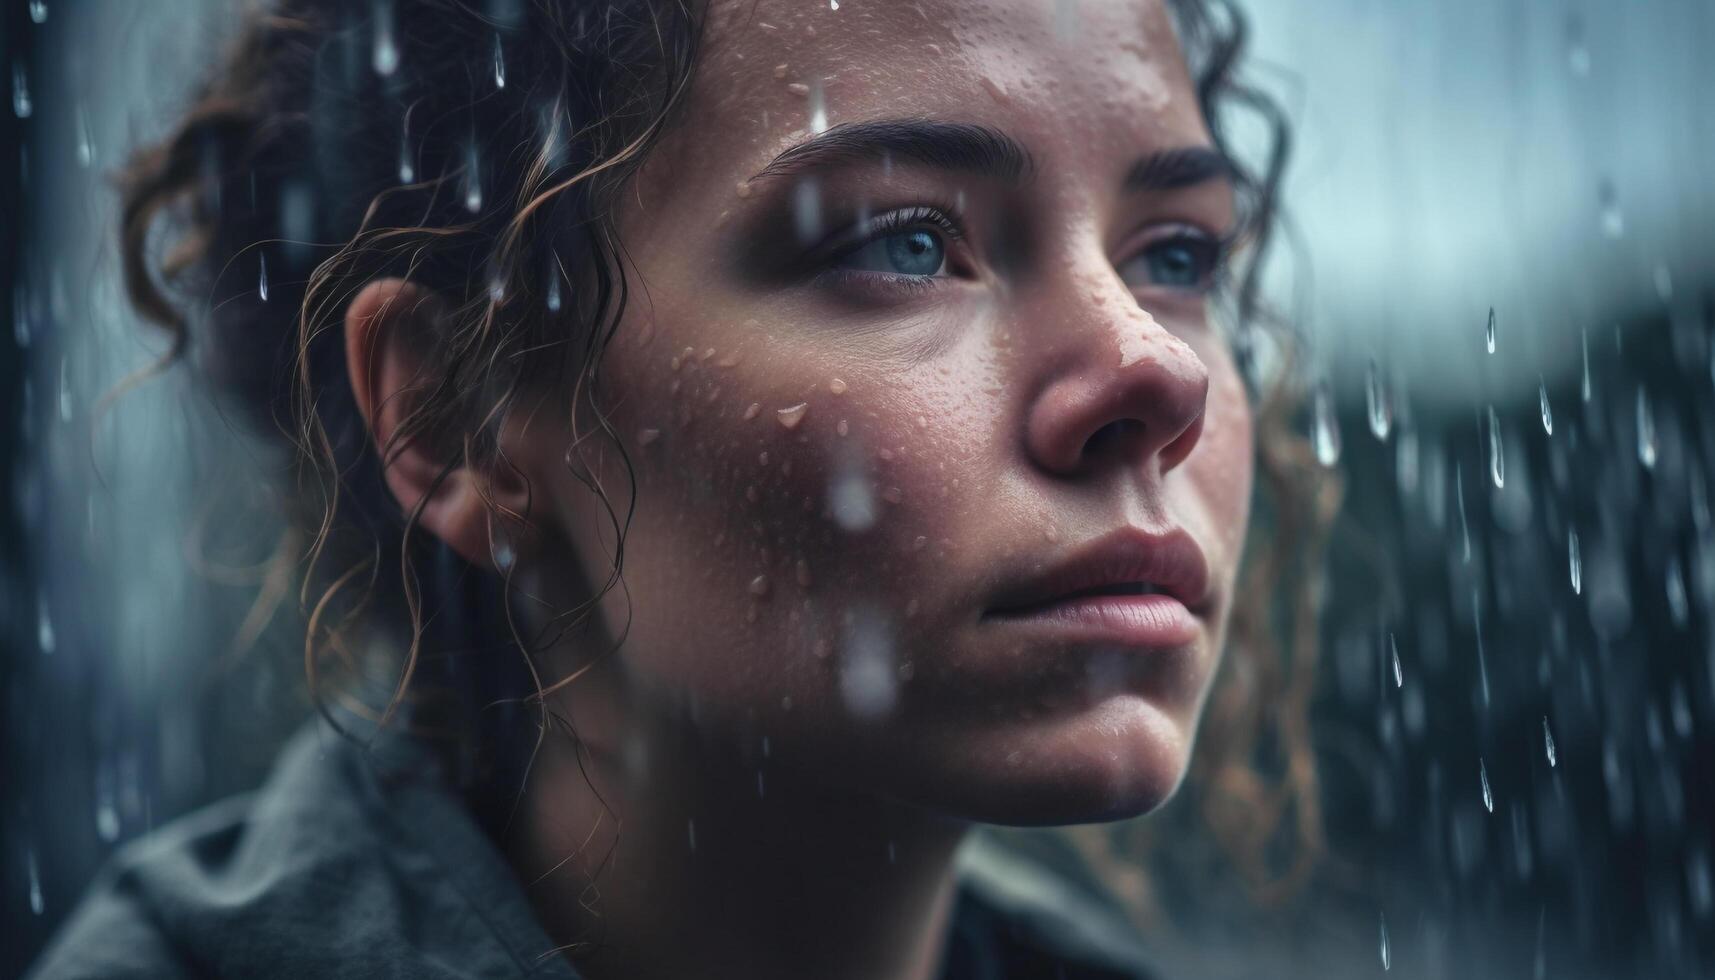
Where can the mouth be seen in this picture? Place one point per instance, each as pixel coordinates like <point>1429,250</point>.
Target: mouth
<point>1130,588</point>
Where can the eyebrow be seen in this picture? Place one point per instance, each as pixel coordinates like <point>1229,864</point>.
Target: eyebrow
<point>1183,166</point>
<point>964,147</point>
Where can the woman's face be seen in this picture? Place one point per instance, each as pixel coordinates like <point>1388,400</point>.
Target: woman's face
<point>917,323</point>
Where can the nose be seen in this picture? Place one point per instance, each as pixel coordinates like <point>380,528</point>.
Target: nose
<point>1121,391</point>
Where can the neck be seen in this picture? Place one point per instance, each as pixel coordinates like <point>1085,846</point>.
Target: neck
<point>651,850</point>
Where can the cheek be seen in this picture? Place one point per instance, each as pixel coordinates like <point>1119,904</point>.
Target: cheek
<point>787,506</point>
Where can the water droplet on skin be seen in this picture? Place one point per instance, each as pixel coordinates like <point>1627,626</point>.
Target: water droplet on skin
<point>821,649</point>
<point>790,418</point>
<point>1548,742</point>
<point>797,88</point>
<point>837,386</point>
<point>1488,797</point>
<point>1574,564</point>
<point>1324,427</point>
<point>1381,408</point>
<point>742,188</point>
<point>1497,458</point>
<point>1489,333</point>
<point>762,458</point>
<point>676,362</point>
<point>759,586</point>
<point>1393,652</point>
<point>842,428</point>
<point>1547,416</point>
<point>727,360</point>
<point>753,411</point>
<point>1387,956</point>
<point>1051,534</point>
<point>262,277</point>
<point>803,573</point>
<point>780,70</point>
<point>920,542</point>
<point>648,436</point>
<point>1646,431</point>
<point>892,495</point>
<point>752,494</point>
<point>499,64</point>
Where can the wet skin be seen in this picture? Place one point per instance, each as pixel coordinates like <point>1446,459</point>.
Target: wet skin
<point>863,392</point>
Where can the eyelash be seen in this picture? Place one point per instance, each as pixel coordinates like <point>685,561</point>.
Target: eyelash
<point>942,218</point>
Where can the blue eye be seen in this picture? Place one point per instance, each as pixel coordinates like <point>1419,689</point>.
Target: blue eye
<point>1184,262</point>
<point>913,252</point>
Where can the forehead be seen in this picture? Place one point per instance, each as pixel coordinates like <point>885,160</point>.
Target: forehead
<point>1074,80</point>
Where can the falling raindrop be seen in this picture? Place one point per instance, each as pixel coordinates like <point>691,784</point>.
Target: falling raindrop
<point>553,292</point>
<point>1393,651</point>
<point>868,677</point>
<point>1547,416</point>
<point>1489,332</point>
<point>1584,382</point>
<point>1381,407</point>
<point>1387,954</point>
<point>1488,797</point>
<point>262,276</point>
<point>1497,459</point>
<point>1677,602</point>
<point>39,11</point>
<point>21,104</point>
<point>1325,428</point>
<point>472,179</point>
<point>818,109</point>
<point>1464,522</point>
<point>1646,431</point>
<point>1577,52</point>
<point>407,160</point>
<point>106,811</point>
<point>385,58</point>
<point>85,139</point>
<point>499,64</point>
<point>691,830</point>
<point>807,210</point>
<point>852,500</point>
<point>34,873</point>
<point>65,393</point>
<point>44,626</point>
<point>1573,563</point>
<point>1548,741</point>
<point>1663,283</point>
<point>1613,219</point>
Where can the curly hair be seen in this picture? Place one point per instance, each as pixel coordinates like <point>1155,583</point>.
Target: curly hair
<point>477,149</point>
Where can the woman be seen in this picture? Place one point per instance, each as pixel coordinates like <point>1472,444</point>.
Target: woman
<point>752,444</point>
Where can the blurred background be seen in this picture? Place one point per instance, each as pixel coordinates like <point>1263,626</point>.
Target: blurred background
<point>1502,250</point>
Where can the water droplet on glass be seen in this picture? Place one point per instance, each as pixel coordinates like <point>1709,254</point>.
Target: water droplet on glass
<point>1387,955</point>
<point>262,276</point>
<point>1677,602</point>
<point>1548,741</point>
<point>1488,797</point>
<point>1393,652</point>
<point>1497,459</point>
<point>499,64</point>
<point>1489,332</point>
<point>1646,431</point>
<point>21,104</point>
<point>1573,563</point>
<point>1324,427</point>
<point>39,11</point>
<point>1381,408</point>
<point>1547,415</point>
<point>792,416</point>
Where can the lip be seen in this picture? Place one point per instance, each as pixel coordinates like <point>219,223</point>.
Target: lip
<point>1059,601</point>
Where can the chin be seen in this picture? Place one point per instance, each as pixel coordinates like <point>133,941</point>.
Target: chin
<point>1117,759</point>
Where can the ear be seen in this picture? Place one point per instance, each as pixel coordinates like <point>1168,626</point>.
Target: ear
<point>383,329</point>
